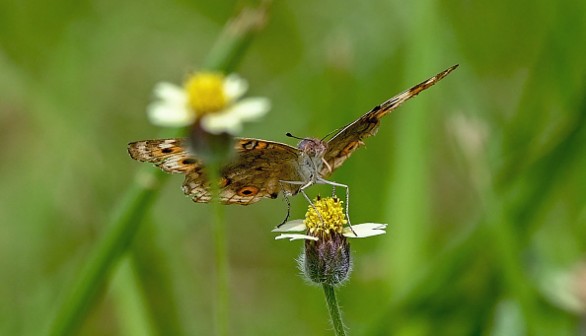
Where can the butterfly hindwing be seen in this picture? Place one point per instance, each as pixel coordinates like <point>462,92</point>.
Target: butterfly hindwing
<point>346,141</point>
<point>196,186</point>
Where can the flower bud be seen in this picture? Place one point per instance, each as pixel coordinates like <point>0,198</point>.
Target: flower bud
<point>326,260</point>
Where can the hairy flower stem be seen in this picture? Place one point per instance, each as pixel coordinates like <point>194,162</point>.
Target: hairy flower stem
<point>334,309</point>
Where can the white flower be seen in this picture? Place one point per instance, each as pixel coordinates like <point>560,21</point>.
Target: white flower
<point>328,219</point>
<point>213,99</point>
<point>326,251</point>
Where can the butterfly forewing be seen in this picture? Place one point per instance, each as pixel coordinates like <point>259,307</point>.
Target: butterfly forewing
<point>346,141</point>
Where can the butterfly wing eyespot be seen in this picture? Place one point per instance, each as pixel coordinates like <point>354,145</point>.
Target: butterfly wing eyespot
<point>248,191</point>
<point>189,161</point>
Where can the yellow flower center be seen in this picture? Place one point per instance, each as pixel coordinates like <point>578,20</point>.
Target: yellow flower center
<point>328,218</point>
<point>205,91</point>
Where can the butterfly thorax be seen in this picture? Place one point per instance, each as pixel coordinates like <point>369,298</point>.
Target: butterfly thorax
<point>311,158</point>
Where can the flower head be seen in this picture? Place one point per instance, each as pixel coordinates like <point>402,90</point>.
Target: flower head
<point>324,218</point>
<point>326,255</point>
<point>212,99</point>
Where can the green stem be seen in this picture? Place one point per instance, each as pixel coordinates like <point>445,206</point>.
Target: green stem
<point>221,301</point>
<point>141,194</point>
<point>235,39</point>
<point>334,309</point>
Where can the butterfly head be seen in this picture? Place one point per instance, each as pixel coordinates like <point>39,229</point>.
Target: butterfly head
<point>312,147</point>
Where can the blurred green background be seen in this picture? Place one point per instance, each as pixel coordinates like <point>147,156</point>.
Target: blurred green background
<point>482,178</point>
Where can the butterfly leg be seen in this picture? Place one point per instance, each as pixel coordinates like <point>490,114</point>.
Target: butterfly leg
<point>305,185</point>
<point>286,198</point>
<point>312,205</point>
<point>334,185</point>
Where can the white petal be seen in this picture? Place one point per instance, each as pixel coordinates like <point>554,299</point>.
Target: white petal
<point>369,226</point>
<point>365,230</point>
<point>296,236</point>
<point>170,106</point>
<point>217,123</point>
<point>234,87</point>
<point>170,92</point>
<point>231,119</point>
<point>169,115</point>
<point>291,226</point>
<point>249,109</point>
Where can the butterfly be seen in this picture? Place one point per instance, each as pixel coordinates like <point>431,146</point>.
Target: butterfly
<point>263,169</point>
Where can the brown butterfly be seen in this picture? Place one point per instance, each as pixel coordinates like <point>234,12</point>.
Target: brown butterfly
<point>264,168</point>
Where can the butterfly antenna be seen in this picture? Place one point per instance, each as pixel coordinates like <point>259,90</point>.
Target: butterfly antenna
<point>294,137</point>
<point>332,132</point>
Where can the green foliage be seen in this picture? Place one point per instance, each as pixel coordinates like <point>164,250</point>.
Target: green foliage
<point>481,178</point>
